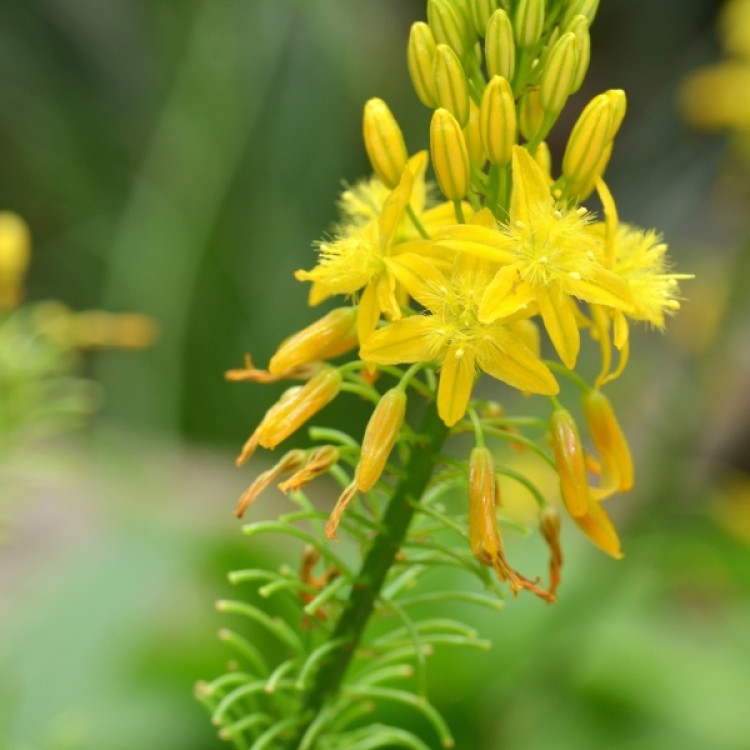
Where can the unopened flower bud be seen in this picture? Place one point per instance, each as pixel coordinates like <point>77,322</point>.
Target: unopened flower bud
<point>558,75</point>
<point>420,55</point>
<point>384,142</point>
<point>15,249</point>
<point>588,141</point>
<point>451,90</point>
<point>448,25</point>
<point>543,158</point>
<point>380,436</point>
<point>481,10</point>
<point>530,114</point>
<point>529,22</point>
<point>320,460</point>
<point>500,46</point>
<point>497,118</point>
<point>580,27</point>
<point>619,104</point>
<point>610,443</point>
<point>473,137</point>
<point>328,337</point>
<point>291,461</point>
<point>319,391</point>
<point>570,461</point>
<point>585,8</point>
<point>450,157</point>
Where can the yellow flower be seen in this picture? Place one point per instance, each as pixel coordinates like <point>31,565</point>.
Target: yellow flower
<point>546,255</point>
<point>453,335</point>
<point>639,258</point>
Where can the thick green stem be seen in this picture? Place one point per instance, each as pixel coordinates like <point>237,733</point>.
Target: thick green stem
<point>378,561</point>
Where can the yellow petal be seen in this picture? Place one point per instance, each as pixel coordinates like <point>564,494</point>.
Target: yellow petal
<point>407,340</point>
<point>368,313</point>
<point>420,277</point>
<point>598,527</point>
<point>393,208</point>
<point>456,383</point>
<point>601,287</point>
<point>417,165</point>
<point>504,295</point>
<point>385,291</point>
<point>479,241</point>
<point>506,358</point>
<point>556,309</point>
<point>530,186</point>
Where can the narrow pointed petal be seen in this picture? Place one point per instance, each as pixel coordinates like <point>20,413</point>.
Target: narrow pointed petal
<point>420,277</point>
<point>479,241</point>
<point>368,314</point>
<point>407,340</point>
<point>530,186</point>
<point>602,287</point>
<point>506,358</point>
<point>504,295</point>
<point>456,383</point>
<point>598,527</point>
<point>559,319</point>
<point>393,208</point>
<point>385,292</point>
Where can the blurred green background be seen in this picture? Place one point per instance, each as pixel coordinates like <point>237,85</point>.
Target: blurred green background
<point>179,159</point>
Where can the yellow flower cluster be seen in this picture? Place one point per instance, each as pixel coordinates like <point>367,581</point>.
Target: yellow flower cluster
<point>716,97</point>
<point>466,284</point>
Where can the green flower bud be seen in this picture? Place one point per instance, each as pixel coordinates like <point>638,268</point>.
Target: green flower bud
<point>420,55</point>
<point>450,157</point>
<point>497,121</point>
<point>587,143</point>
<point>448,25</point>
<point>530,114</point>
<point>529,22</point>
<point>473,137</point>
<point>481,10</point>
<point>499,46</point>
<point>384,142</point>
<point>580,27</point>
<point>559,73</point>
<point>619,104</point>
<point>451,90</point>
<point>585,8</point>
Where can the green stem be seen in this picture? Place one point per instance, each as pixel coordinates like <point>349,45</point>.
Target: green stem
<point>416,222</point>
<point>381,556</point>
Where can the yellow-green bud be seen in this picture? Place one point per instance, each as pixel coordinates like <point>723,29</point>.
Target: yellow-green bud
<point>15,249</point>
<point>497,120</point>
<point>448,25</point>
<point>619,104</point>
<point>585,8</point>
<point>384,142</point>
<point>420,56</point>
<point>499,46</point>
<point>451,90</point>
<point>530,114</point>
<point>543,158</point>
<point>588,140</point>
<point>559,74</point>
<point>529,22</point>
<point>580,27</point>
<point>474,138</point>
<point>450,157</point>
<point>481,10</point>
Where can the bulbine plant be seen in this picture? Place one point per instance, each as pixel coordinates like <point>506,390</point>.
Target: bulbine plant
<point>439,288</point>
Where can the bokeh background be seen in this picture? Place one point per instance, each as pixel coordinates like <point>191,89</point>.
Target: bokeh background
<point>179,159</point>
